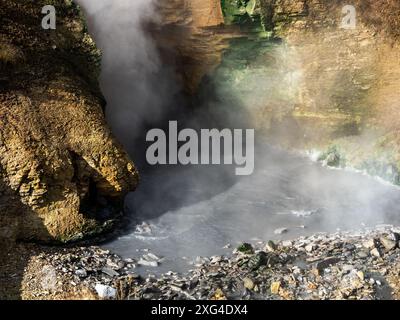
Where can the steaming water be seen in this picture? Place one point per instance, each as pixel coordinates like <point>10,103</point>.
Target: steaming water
<point>188,215</point>
<point>195,211</point>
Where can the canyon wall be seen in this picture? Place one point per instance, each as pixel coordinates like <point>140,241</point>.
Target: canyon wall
<point>190,37</point>
<point>347,82</point>
<point>307,82</point>
<point>62,173</point>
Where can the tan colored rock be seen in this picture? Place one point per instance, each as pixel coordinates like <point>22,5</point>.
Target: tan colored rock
<point>248,283</point>
<point>57,156</point>
<point>192,38</point>
<point>340,87</point>
<point>275,287</point>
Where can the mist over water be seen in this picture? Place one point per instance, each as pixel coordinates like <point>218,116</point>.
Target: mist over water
<point>196,210</point>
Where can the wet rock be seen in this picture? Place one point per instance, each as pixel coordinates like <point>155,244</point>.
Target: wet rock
<point>148,263</point>
<point>110,272</point>
<point>151,257</point>
<point>193,283</point>
<point>216,259</point>
<point>200,261</point>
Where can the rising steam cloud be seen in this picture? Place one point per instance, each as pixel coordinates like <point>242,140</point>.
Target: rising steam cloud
<point>137,87</point>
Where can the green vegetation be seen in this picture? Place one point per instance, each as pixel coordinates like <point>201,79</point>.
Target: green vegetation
<point>246,248</point>
<point>246,13</point>
<point>333,157</point>
<point>384,170</point>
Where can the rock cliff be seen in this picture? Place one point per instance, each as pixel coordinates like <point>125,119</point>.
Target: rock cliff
<point>62,173</point>
<point>307,82</point>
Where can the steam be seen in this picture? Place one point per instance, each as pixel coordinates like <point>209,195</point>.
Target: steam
<point>137,87</point>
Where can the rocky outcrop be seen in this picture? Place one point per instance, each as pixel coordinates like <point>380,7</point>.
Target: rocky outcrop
<point>62,173</point>
<point>190,38</point>
<point>344,93</point>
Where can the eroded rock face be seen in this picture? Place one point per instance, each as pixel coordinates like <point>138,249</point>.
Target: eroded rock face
<point>346,82</point>
<point>190,36</point>
<point>62,174</point>
<point>320,86</point>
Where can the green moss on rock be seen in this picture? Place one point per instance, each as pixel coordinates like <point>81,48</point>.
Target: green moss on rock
<point>247,13</point>
<point>246,248</point>
<point>333,157</point>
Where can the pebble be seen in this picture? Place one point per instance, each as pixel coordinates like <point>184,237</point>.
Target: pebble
<point>275,287</point>
<point>369,244</point>
<point>147,263</point>
<point>151,256</point>
<point>376,252</point>
<point>326,263</point>
<point>361,275</point>
<point>388,244</point>
<point>347,267</point>
<point>287,243</point>
<point>394,236</point>
<point>270,246</point>
<point>310,248</point>
<point>81,273</point>
<point>248,283</point>
<point>362,254</point>
<point>105,292</point>
<point>110,272</point>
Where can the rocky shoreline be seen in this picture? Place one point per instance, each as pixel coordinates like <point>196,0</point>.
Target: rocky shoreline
<point>361,265</point>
